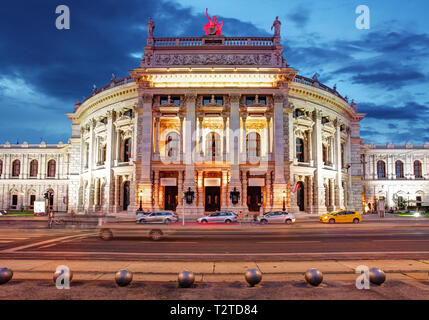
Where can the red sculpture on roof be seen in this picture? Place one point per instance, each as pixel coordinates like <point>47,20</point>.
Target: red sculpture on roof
<point>213,27</point>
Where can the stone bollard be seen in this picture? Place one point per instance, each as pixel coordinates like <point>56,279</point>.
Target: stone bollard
<point>5,275</point>
<point>314,277</point>
<point>377,276</point>
<point>253,277</point>
<point>123,277</point>
<point>186,279</point>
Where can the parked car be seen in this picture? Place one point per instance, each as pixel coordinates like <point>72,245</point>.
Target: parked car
<point>341,216</point>
<point>219,217</point>
<point>162,216</point>
<point>278,217</point>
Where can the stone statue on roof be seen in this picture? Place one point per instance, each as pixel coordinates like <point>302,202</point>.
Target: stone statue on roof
<point>276,25</point>
<point>150,28</point>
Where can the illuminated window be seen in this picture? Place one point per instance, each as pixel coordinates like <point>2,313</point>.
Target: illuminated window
<point>212,146</point>
<point>172,145</point>
<point>418,169</point>
<point>300,149</point>
<point>253,145</point>
<point>399,167</point>
<point>381,170</point>
<point>127,150</point>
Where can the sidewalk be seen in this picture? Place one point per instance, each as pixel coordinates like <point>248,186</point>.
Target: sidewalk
<point>213,271</point>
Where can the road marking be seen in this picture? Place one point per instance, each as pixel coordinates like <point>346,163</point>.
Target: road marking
<point>286,242</point>
<point>5,241</point>
<point>56,253</point>
<point>11,250</point>
<point>13,238</point>
<point>398,240</point>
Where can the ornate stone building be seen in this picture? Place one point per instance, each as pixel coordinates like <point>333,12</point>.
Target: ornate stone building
<point>213,115</point>
<point>395,171</point>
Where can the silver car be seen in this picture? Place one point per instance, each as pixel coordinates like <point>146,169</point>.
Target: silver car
<point>278,217</point>
<point>219,217</point>
<point>162,216</point>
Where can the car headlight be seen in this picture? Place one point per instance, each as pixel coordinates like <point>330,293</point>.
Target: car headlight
<point>325,217</point>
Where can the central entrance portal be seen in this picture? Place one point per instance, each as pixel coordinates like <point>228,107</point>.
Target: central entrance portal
<point>212,199</point>
<point>170,198</point>
<point>254,199</point>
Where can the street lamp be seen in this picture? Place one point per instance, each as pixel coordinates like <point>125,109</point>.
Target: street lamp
<point>141,194</point>
<point>284,200</point>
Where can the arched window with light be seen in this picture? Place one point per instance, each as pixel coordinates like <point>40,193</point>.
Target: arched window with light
<point>34,168</point>
<point>212,146</point>
<point>52,168</point>
<point>418,169</point>
<point>381,169</point>
<point>16,168</point>
<point>399,168</point>
<point>172,146</point>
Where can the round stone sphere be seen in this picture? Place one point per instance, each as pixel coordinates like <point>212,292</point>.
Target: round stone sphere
<point>314,277</point>
<point>123,277</point>
<point>186,279</point>
<point>377,276</point>
<point>253,277</point>
<point>5,275</point>
<point>57,274</point>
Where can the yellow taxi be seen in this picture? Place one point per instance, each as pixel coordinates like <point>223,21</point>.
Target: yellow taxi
<point>341,216</point>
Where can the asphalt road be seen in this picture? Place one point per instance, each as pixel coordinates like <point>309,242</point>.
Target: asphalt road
<point>301,241</point>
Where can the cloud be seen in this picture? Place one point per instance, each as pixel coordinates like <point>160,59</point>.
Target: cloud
<point>300,16</point>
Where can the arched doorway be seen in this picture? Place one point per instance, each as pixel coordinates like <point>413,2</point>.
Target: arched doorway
<point>126,196</point>
<point>300,196</point>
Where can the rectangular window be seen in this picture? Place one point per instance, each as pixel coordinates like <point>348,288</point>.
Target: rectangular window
<point>175,100</point>
<point>32,199</point>
<point>14,201</point>
<point>250,99</point>
<point>262,99</point>
<point>219,100</point>
<point>206,100</point>
<point>163,100</point>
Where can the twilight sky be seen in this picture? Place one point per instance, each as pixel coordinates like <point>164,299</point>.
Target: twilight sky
<point>43,71</point>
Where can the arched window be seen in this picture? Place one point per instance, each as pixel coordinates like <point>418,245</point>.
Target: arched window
<point>212,146</point>
<point>127,150</point>
<point>325,154</point>
<point>16,168</point>
<point>172,146</point>
<point>1,167</point>
<point>381,170</point>
<point>418,169</point>
<point>399,167</point>
<point>343,156</point>
<point>253,144</point>
<point>51,168</point>
<point>300,149</point>
<point>34,167</point>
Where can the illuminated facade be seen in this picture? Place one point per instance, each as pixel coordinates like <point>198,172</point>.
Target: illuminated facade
<point>223,117</point>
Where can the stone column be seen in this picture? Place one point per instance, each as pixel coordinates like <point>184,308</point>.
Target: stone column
<point>156,187</point>
<point>339,201</point>
<point>310,147</point>
<point>268,196</point>
<point>90,165</point>
<point>144,147</point>
<point>319,204</point>
<point>189,156</point>
<point>200,189</point>
<point>200,134</point>
<point>234,149</point>
<point>180,189</point>
<point>157,119</point>
<point>225,119</point>
<point>224,189</point>
<point>108,164</point>
<point>279,184</point>
<point>310,195</point>
<point>244,139</point>
<point>268,133</point>
<point>181,116</point>
<point>244,188</point>
<point>117,146</point>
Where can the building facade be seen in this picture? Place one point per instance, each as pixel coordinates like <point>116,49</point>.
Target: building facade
<point>224,118</point>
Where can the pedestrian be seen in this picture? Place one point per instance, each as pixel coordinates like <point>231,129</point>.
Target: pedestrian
<point>22,208</point>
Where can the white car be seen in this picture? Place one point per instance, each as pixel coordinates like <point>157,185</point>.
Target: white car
<point>162,216</point>
<point>219,217</point>
<point>278,217</point>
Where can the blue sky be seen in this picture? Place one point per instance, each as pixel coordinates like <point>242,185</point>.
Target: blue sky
<point>43,71</point>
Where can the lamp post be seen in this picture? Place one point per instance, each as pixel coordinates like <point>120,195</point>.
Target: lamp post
<point>141,196</point>
<point>284,200</point>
